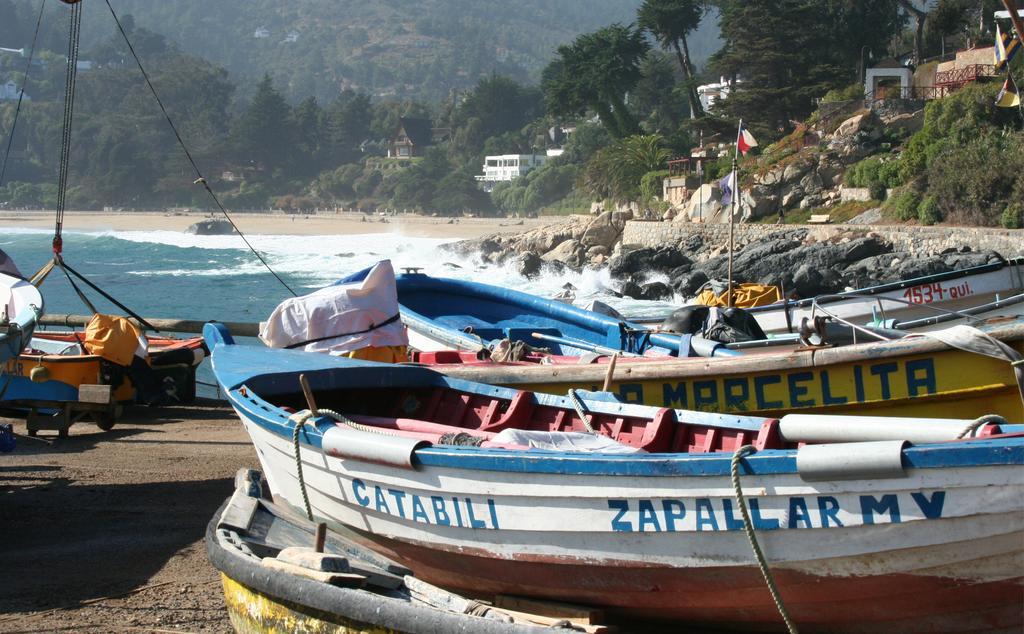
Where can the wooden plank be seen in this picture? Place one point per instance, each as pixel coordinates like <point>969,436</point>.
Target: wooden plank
<point>237,328</point>
<point>96,394</point>
<point>537,619</point>
<point>240,512</point>
<point>347,580</point>
<point>580,614</point>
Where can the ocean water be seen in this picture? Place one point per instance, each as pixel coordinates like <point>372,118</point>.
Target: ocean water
<point>168,274</point>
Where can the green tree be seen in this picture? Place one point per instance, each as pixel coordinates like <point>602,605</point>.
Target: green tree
<point>671,21</point>
<point>616,171</point>
<point>781,50</point>
<point>306,122</point>
<point>596,71</point>
<point>500,105</point>
<point>262,134</point>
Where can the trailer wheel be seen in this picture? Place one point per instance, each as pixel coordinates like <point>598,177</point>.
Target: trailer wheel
<point>106,420</point>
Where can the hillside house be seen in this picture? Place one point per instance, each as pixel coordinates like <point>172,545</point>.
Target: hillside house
<point>411,138</point>
<point>10,92</point>
<point>507,167</point>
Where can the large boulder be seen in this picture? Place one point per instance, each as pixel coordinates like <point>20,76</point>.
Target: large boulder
<point>569,252</point>
<point>647,260</point>
<point>602,231</point>
<point>796,170</point>
<point>528,264</point>
<point>705,203</point>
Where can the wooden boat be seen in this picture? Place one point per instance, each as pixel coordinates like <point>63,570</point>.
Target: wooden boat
<point>448,314</point>
<point>902,304</point>
<point>914,376</point>
<point>49,375</point>
<point>21,305</point>
<point>244,542</point>
<point>860,536</point>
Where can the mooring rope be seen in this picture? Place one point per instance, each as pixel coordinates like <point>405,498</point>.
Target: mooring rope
<point>748,527</point>
<point>300,419</point>
<point>980,422</point>
<point>200,179</point>
<point>21,95</point>
<point>578,406</point>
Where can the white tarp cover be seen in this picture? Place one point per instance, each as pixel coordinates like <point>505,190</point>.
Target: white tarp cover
<point>570,441</point>
<point>340,319</point>
<point>970,339</point>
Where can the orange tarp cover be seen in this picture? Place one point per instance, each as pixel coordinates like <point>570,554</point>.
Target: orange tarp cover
<point>744,296</point>
<point>113,338</point>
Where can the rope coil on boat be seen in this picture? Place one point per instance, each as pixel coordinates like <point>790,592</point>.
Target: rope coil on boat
<point>748,527</point>
<point>979,423</point>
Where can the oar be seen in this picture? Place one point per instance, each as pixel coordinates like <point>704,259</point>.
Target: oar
<point>582,345</point>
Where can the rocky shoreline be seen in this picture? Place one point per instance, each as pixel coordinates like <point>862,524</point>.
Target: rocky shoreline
<point>792,257</point>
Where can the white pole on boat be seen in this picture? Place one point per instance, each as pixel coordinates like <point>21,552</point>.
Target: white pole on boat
<point>732,205</point>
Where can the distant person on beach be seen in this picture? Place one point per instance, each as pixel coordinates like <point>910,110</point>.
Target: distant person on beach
<point>7,266</point>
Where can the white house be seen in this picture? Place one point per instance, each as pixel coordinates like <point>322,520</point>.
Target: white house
<point>261,33</point>
<point>10,92</point>
<point>507,167</point>
<point>711,93</point>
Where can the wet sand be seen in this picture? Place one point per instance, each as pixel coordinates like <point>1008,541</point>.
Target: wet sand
<point>324,223</point>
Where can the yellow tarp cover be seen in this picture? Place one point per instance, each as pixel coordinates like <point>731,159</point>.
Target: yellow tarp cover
<point>113,338</point>
<point>381,354</point>
<point>744,296</point>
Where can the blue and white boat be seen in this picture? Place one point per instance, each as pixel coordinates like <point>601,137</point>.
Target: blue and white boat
<point>21,306</point>
<point>449,314</point>
<point>866,524</point>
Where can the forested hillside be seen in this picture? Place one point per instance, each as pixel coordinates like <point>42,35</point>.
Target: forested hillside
<point>387,48</point>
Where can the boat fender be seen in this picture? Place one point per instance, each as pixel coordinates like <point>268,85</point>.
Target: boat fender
<point>851,461</point>
<point>342,441</point>
<point>821,428</point>
<point>39,374</point>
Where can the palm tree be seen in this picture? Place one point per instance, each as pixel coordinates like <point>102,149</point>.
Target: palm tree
<point>670,21</point>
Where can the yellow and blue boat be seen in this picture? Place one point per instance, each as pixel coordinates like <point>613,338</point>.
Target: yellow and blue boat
<point>924,376</point>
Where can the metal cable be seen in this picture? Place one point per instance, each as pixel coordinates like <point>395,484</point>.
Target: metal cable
<point>748,527</point>
<point>70,80</point>
<point>200,179</point>
<point>21,95</point>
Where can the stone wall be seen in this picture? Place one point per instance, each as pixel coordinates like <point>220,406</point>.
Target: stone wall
<point>907,238</point>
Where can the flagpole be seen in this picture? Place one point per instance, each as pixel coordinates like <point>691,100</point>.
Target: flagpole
<point>700,174</point>
<point>732,205</point>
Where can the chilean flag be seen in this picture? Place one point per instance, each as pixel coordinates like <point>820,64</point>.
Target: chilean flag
<point>745,140</point>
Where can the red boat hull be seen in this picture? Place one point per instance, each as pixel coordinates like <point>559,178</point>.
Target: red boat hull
<point>731,597</point>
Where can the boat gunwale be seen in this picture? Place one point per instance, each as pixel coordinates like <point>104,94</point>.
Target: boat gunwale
<point>965,453</point>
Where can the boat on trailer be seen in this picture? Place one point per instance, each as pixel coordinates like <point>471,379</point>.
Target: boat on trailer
<point>21,306</point>
<point>56,381</point>
<point>866,524</point>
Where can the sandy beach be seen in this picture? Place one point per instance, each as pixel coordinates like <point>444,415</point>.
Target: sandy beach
<point>324,223</point>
